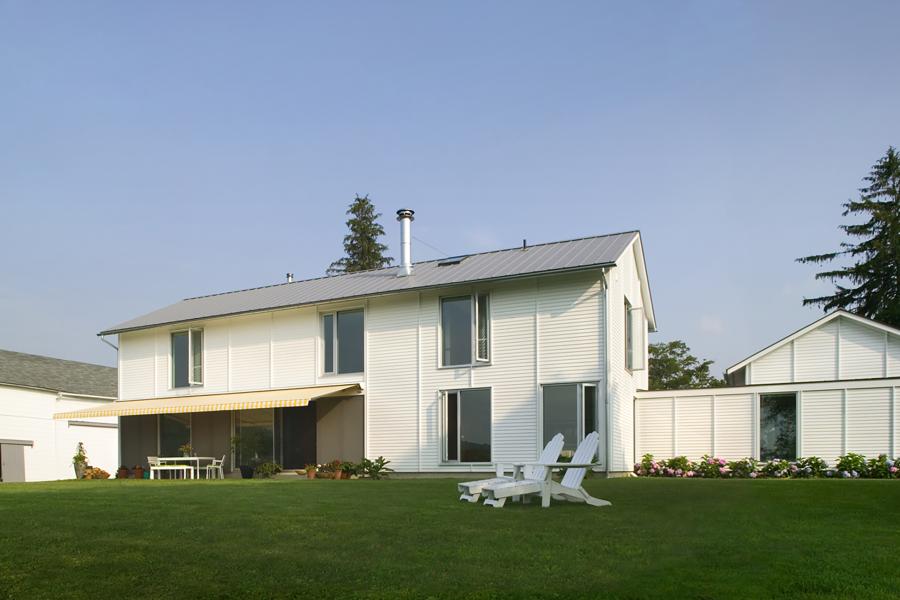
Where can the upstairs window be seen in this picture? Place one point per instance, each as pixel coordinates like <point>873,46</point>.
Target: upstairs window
<point>465,330</point>
<point>343,336</point>
<point>187,358</point>
<point>634,337</point>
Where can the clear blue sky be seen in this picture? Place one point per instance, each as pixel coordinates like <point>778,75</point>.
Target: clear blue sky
<point>154,151</point>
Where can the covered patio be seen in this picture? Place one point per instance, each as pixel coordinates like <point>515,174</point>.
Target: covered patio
<point>292,427</point>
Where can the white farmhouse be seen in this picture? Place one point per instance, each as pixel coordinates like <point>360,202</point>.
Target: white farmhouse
<point>35,447</point>
<point>440,366</point>
<point>825,390</point>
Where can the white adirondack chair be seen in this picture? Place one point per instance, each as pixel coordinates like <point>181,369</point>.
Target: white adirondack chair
<point>568,489</point>
<point>471,490</point>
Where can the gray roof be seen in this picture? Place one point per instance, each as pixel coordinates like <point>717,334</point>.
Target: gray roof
<point>69,376</point>
<point>567,255</point>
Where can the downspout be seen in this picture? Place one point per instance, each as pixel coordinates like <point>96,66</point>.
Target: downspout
<point>108,343</point>
<point>606,369</point>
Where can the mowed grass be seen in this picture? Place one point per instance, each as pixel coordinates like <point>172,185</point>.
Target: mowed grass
<point>413,538</point>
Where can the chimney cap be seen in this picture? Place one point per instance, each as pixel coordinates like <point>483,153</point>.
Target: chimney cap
<point>405,213</point>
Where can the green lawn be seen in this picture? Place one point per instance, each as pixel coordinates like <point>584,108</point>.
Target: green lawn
<point>412,538</point>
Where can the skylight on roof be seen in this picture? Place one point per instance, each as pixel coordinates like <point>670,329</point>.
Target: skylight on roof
<point>453,260</point>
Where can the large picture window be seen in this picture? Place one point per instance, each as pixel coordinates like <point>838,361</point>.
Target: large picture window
<point>343,334</point>
<point>467,426</point>
<point>570,409</point>
<point>187,358</point>
<point>778,426</point>
<point>255,431</point>
<point>465,330</point>
<point>174,432</point>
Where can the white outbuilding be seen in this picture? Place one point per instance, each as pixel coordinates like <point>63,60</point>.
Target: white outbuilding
<point>34,446</point>
<point>825,390</point>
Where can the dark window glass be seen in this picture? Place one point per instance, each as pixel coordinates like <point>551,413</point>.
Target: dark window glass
<point>255,430</point>
<point>778,426</point>
<point>174,431</point>
<point>561,413</point>
<point>475,426</point>
<point>350,341</point>
<point>590,408</point>
<point>482,328</point>
<point>180,375</point>
<point>452,427</point>
<point>328,337</point>
<point>456,331</point>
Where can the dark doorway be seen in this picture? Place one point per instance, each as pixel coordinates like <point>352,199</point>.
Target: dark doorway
<point>299,436</point>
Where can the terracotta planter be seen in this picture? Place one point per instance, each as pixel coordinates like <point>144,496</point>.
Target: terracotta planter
<point>310,473</point>
<point>139,473</point>
<point>337,475</point>
<point>122,474</point>
<point>323,475</point>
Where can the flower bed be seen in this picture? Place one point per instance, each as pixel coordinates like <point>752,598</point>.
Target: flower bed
<point>849,466</point>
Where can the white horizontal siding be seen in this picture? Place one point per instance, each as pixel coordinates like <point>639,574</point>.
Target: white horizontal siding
<point>694,426</point>
<point>816,354</point>
<point>137,358</point>
<point>249,356</point>
<point>869,421</point>
<point>569,324</point>
<point>822,424</point>
<point>734,426</point>
<point>862,351</point>
<point>294,338</point>
<point>392,409</point>
<point>893,359</point>
<point>654,427</point>
<point>775,367</point>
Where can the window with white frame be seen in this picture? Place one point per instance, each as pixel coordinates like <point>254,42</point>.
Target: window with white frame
<point>343,337</point>
<point>634,337</point>
<point>570,409</point>
<point>465,330</point>
<point>778,426</point>
<point>467,425</point>
<point>187,358</point>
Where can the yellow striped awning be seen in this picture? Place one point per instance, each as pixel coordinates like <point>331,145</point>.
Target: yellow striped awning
<point>212,402</point>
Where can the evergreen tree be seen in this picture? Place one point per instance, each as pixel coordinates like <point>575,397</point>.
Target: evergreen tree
<point>361,247</point>
<point>672,367</point>
<point>870,287</point>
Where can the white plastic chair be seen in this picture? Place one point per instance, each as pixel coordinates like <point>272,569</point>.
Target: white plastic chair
<point>568,489</point>
<point>471,490</point>
<point>216,467</point>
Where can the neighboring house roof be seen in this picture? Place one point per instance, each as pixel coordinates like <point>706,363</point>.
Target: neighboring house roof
<point>814,325</point>
<point>55,374</point>
<point>570,255</point>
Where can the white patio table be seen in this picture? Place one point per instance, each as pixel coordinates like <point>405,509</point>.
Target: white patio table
<point>192,460</point>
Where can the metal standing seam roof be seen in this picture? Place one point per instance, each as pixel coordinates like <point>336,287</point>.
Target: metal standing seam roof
<point>568,255</point>
<point>58,375</point>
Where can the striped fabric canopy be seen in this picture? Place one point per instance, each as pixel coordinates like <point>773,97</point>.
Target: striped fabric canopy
<point>214,402</point>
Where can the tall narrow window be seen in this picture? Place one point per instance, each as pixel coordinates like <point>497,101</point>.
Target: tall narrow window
<point>187,358</point>
<point>465,330</point>
<point>629,336</point>
<point>467,429</point>
<point>482,328</point>
<point>328,338</point>
<point>778,426</point>
<point>343,334</point>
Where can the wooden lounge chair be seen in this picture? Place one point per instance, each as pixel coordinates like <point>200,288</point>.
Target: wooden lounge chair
<point>568,489</point>
<point>471,490</point>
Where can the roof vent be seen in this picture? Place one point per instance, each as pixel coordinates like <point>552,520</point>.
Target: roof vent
<point>290,277</point>
<point>453,260</point>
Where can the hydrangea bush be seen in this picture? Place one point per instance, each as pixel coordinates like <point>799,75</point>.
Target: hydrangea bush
<point>849,466</point>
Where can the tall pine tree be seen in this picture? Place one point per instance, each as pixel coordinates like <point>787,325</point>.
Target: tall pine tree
<point>870,287</point>
<point>361,246</point>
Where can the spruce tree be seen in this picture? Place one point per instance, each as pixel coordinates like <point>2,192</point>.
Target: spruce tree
<point>361,247</point>
<point>870,287</point>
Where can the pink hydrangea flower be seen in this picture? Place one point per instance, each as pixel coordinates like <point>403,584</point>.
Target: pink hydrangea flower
<point>894,469</point>
<point>753,475</point>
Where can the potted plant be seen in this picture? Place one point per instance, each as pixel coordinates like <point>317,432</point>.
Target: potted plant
<point>138,471</point>
<point>337,468</point>
<point>310,471</point>
<point>79,461</point>
<point>122,473</point>
<point>348,470</point>
<point>186,449</point>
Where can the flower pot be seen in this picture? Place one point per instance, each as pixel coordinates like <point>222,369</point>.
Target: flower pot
<point>246,472</point>
<point>122,474</point>
<point>139,473</point>
<point>79,470</point>
<point>310,473</point>
<point>337,475</point>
